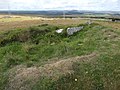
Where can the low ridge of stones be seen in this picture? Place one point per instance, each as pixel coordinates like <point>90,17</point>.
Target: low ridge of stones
<point>72,30</point>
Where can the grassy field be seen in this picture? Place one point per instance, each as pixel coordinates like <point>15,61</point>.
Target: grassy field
<point>27,21</point>
<point>13,18</point>
<point>37,58</point>
<point>34,57</point>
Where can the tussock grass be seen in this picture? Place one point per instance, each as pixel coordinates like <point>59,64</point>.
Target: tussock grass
<point>38,45</point>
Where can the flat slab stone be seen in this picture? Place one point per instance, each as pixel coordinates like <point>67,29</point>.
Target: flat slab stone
<point>71,31</point>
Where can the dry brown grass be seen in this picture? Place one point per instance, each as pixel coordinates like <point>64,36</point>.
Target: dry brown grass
<point>12,18</point>
<point>27,21</point>
<point>23,78</point>
<point>115,25</point>
<point>110,35</point>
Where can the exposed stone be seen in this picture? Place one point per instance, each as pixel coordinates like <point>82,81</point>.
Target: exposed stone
<point>71,31</point>
<point>59,30</point>
<point>89,22</point>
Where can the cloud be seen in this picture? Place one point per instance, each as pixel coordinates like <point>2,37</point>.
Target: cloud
<point>60,4</point>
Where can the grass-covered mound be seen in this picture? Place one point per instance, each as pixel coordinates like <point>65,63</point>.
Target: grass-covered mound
<point>40,45</point>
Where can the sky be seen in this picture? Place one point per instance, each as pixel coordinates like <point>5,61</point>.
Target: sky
<point>98,5</point>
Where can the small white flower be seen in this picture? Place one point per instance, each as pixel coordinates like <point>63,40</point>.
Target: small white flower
<point>76,80</point>
<point>80,44</point>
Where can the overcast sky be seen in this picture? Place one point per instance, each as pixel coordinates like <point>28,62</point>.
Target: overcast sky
<point>99,5</point>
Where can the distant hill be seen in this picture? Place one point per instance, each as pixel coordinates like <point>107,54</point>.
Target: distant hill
<point>60,12</point>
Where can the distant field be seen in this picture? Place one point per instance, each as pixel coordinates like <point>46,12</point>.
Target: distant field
<point>27,21</point>
<point>17,21</point>
<point>115,25</point>
<point>12,18</point>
